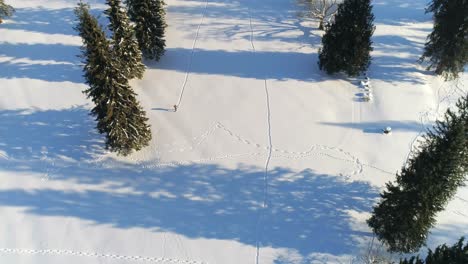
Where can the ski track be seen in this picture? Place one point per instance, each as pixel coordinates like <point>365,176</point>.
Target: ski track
<point>258,228</point>
<point>59,252</point>
<point>189,64</point>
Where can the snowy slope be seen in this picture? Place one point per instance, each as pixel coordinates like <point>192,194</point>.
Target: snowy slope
<point>267,160</point>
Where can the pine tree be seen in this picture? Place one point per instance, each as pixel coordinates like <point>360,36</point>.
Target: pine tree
<point>5,10</point>
<point>96,56</point>
<point>427,182</point>
<point>150,25</point>
<point>456,254</point>
<point>126,123</point>
<point>124,44</point>
<point>117,111</point>
<point>347,44</point>
<point>447,47</point>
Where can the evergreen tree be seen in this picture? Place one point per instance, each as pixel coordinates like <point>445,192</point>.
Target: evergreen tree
<point>5,10</point>
<point>124,44</point>
<point>117,112</point>
<point>150,25</point>
<point>347,44</point>
<point>426,183</point>
<point>96,56</point>
<point>447,47</point>
<point>456,254</point>
<point>126,123</point>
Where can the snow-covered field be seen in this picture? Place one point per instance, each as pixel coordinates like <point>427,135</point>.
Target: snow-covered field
<point>267,161</point>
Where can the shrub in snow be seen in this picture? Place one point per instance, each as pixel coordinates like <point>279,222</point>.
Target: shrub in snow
<point>150,25</point>
<point>117,112</point>
<point>124,44</point>
<point>428,180</point>
<point>5,10</point>
<point>447,45</point>
<point>456,254</point>
<point>347,44</point>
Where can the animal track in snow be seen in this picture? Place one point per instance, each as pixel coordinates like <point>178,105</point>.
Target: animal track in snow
<point>58,252</point>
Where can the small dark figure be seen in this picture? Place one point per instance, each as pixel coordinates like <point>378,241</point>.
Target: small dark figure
<point>175,108</point>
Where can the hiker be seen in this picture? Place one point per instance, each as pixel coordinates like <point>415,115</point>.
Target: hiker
<point>175,108</point>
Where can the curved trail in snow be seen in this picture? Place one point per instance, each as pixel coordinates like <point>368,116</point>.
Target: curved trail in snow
<point>453,88</point>
<point>189,64</point>
<point>59,252</point>
<point>265,179</point>
<point>258,227</point>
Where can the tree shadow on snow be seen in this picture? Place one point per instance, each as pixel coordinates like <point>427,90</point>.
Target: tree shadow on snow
<point>399,60</point>
<point>49,21</point>
<point>48,62</point>
<point>271,20</point>
<point>307,212</point>
<point>245,64</point>
<point>399,12</point>
<point>36,136</point>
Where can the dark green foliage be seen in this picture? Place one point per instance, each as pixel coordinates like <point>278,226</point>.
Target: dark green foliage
<point>425,185</point>
<point>126,123</point>
<point>347,44</point>
<point>149,18</point>
<point>447,47</point>
<point>117,112</point>
<point>96,57</point>
<point>5,10</point>
<point>456,254</point>
<point>124,44</point>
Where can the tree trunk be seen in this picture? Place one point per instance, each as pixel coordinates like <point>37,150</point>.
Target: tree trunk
<point>321,24</point>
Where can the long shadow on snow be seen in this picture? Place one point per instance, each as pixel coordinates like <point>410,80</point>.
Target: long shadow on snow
<point>307,213</point>
<point>398,12</point>
<point>48,62</point>
<point>271,20</point>
<point>28,136</point>
<point>271,65</point>
<point>377,127</point>
<point>49,21</point>
<point>398,61</point>
<point>279,65</point>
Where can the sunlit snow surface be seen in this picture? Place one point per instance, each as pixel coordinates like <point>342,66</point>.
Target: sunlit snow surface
<point>247,78</point>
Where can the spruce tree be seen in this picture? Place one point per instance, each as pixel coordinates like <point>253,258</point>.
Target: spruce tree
<point>5,10</point>
<point>126,123</point>
<point>124,44</point>
<point>96,56</point>
<point>425,185</point>
<point>447,47</point>
<point>456,254</point>
<point>117,111</point>
<point>150,25</point>
<point>347,44</point>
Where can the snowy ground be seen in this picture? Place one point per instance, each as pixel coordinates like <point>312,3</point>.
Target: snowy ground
<point>252,101</point>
